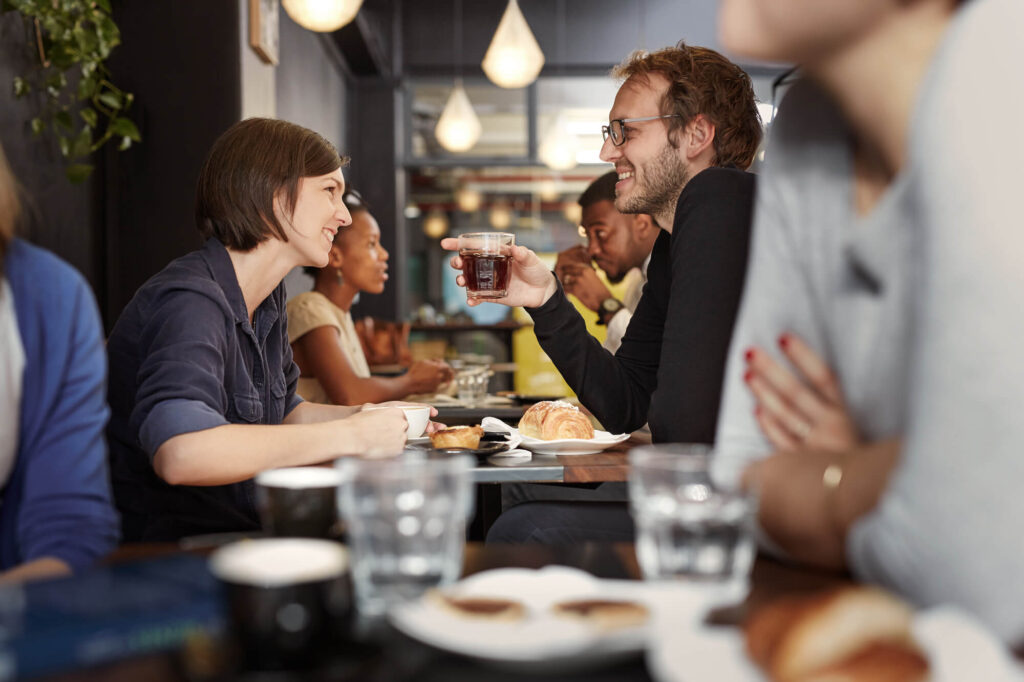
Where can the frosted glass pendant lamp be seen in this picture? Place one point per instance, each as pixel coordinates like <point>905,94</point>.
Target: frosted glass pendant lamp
<point>322,16</point>
<point>458,129</point>
<point>514,58</point>
<point>558,148</point>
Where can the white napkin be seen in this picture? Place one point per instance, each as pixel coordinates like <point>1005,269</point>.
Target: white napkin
<point>494,425</point>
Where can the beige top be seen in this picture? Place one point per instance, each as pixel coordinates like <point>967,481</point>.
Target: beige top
<point>311,310</point>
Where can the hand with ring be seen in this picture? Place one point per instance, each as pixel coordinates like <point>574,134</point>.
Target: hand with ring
<point>803,410</point>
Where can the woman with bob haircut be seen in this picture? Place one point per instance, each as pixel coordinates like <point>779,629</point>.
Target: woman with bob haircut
<point>324,339</point>
<point>56,514</point>
<point>202,382</point>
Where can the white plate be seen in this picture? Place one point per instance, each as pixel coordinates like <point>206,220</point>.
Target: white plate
<point>683,649</point>
<point>602,440</point>
<point>541,641</point>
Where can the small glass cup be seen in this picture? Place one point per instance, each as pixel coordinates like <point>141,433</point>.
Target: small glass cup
<point>299,501</point>
<point>289,600</point>
<point>406,520</point>
<point>486,263</point>
<point>471,385</point>
<point>694,517</point>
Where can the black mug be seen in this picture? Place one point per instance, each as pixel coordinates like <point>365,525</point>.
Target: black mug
<point>299,502</point>
<point>289,601</point>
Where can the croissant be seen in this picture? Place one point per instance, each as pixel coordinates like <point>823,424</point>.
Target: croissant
<point>850,634</point>
<point>553,420</point>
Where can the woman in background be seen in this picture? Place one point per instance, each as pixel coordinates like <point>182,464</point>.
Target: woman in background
<point>326,346</point>
<point>56,514</point>
<point>887,246</point>
<point>202,382</point>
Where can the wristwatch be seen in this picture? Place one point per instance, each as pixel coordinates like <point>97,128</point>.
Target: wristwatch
<point>607,310</point>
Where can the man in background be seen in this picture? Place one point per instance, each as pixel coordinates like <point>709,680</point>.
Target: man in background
<point>617,243</point>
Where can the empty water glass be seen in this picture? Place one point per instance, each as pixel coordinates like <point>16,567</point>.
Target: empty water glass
<point>694,517</point>
<point>406,519</point>
<point>471,385</point>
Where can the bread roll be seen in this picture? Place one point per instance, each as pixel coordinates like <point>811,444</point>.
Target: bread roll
<point>605,614</point>
<point>458,437</point>
<point>845,635</point>
<point>553,420</point>
<point>482,608</point>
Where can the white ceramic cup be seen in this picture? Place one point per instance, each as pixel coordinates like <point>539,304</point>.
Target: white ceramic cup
<point>418,417</point>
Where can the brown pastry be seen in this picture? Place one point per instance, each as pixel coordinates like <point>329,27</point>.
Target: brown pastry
<point>486,608</point>
<point>555,419</point>
<point>606,614</point>
<point>458,437</point>
<point>845,635</point>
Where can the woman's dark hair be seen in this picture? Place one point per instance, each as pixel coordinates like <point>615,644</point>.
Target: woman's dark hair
<point>247,167</point>
<point>9,206</point>
<point>354,202</point>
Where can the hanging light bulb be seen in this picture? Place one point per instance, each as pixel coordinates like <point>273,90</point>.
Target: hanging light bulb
<point>435,225</point>
<point>322,16</point>
<point>513,58</point>
<point>468,199</point>
<point>500,216</point>
<point>573,212</point>
<point>458,129</point>
<point>548,190</point>
<point>558,148</point>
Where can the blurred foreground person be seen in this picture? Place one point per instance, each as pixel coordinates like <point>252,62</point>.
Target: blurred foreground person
<point>888,246</point>
<point>56,514</point>
<point>202,382</point>
<point>325,340</point>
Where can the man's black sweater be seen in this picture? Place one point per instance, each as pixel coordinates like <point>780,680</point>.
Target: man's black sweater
<point>668,371</point>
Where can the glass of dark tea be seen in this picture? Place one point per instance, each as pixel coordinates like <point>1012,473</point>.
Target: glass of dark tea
<point>486,263</point>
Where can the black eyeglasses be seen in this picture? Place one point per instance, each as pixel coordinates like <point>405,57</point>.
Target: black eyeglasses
<point>616,129</point>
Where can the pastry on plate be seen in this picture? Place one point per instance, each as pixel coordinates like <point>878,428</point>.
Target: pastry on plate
<point>458,437</point>
<point>849,634</point>
<point>484,608</point>
<point>606,614</point>
<point>554,420</point>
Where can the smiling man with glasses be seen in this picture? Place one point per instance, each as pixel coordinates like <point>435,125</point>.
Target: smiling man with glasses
<point>683,127</point>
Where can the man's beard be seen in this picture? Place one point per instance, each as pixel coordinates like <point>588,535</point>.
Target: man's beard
<point>657,191</point>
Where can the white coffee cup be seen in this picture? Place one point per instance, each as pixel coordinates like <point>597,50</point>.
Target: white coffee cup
<point>418,417</point>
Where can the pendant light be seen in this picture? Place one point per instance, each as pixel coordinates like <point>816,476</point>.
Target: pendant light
<point>322,16</point>
<point>559,146</point>
<point>513,59</point>
<point>435,225</point>
<point>458,128</point>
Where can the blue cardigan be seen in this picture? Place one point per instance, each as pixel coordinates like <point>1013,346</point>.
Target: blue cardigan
<point>57,502</point>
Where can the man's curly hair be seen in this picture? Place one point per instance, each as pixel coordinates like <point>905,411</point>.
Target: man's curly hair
<point>701,81</point>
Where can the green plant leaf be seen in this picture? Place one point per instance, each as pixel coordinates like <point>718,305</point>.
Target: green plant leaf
<point>82,146</point>
<point>104,5</point>
<point>90,117</point>
<point>78,173</point>
<point>87,86</point>
<point>38,126</point>
<point>124,126</point>
<point>21,87</point>
<point>63,119</point>
<point>65,146</point>
<point>111,99</point>
<point>125,143</point>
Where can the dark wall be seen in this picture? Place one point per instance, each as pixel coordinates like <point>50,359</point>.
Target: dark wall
<point>181,59</point>
<point>598,33</point>
<point>59,216</point>
<point>372,135</point>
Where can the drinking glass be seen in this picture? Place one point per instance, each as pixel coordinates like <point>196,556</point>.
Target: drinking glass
<point>471,385</point>
<point>694,517</point>
<point>406,519</point>
<point>486,260</point>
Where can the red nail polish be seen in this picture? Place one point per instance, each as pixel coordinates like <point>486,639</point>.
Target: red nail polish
<point>747,375</point>
<point>784,341</point>
<point>749,355</point>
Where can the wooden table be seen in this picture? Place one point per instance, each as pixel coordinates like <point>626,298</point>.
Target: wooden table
<point>392,657</point>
